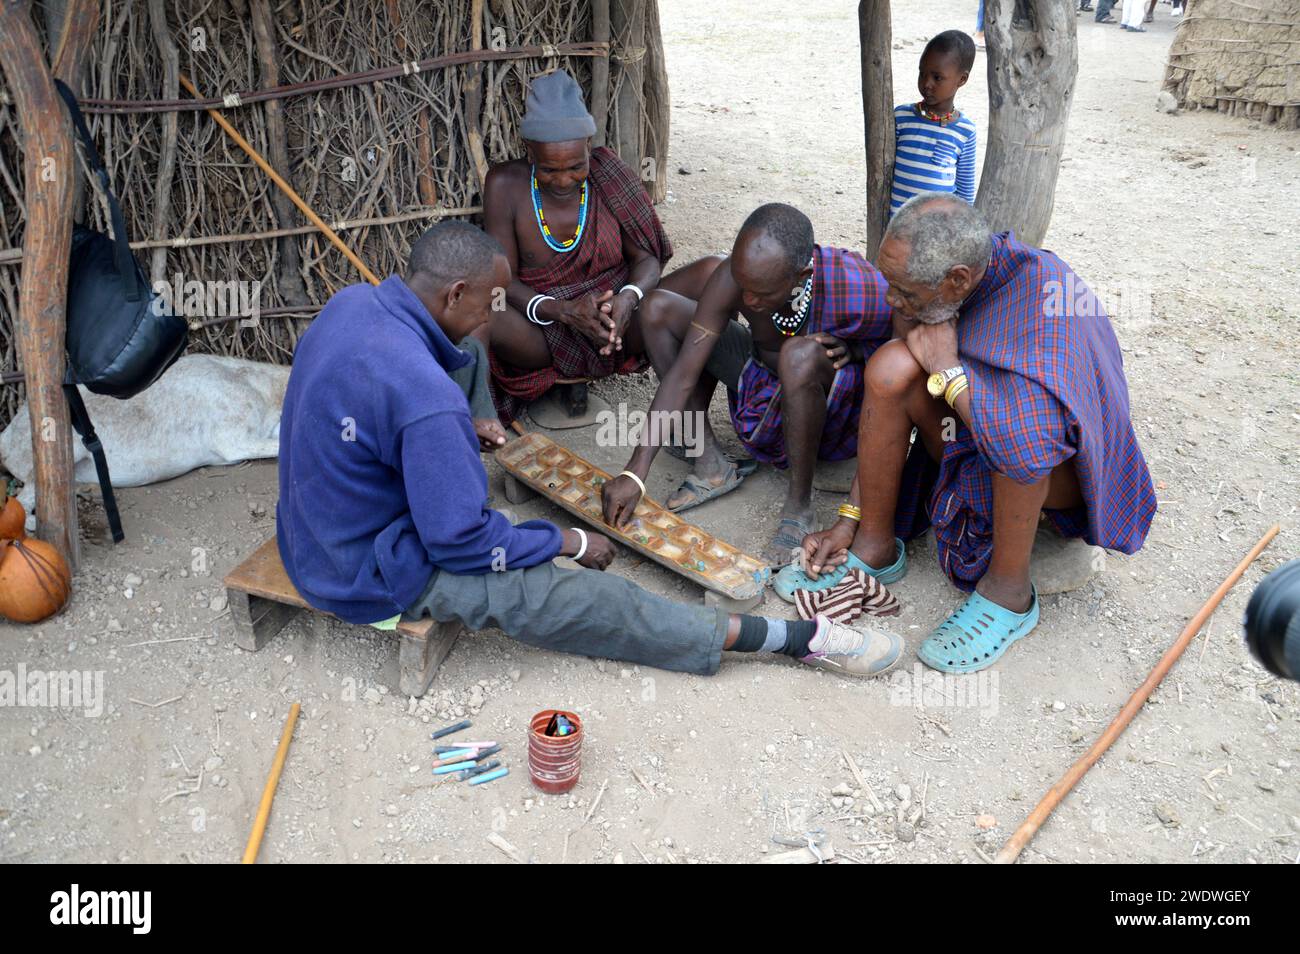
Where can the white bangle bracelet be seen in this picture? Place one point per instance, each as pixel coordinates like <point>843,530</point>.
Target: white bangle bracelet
<point>634,290</point>
<point>531,311</point>
<point>582,549</point>
<point>639,482</point>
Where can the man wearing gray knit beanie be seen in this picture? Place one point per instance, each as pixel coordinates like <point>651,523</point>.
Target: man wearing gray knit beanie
<point>584,246</point>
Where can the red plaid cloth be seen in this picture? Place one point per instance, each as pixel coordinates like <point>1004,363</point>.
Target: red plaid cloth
<point>849,303</point>
<point>1045,387</point>
<point>618,205</point>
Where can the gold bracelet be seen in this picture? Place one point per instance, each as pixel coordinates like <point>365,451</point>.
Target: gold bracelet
<point>850,511</point>
<point>956,392</point>
<point>948,388</point>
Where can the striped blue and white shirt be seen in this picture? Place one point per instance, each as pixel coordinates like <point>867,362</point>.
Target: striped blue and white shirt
<point>931,157</point>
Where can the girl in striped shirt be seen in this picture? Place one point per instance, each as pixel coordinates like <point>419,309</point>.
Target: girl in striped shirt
<point>934,144</point>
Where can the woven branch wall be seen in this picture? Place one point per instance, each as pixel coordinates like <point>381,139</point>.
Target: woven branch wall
<point>1240,57</point>
<point>397,151</point>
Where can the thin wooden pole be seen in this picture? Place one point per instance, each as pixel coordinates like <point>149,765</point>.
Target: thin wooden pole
<point>600,71</point>
<point>875,39</point>
<point>1016,843</point>
<point>50,169</point>
<point>298,200</point>
<point>268,793</point>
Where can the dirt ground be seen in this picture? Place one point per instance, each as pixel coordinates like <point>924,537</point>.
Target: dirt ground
<point>1186,223</point>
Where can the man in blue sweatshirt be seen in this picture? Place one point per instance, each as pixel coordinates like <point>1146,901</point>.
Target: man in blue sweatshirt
<point>384,510</point>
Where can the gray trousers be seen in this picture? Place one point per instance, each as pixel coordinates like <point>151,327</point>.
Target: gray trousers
<point>572,610</point>
<point>581,611</point>
<point>473,379</point>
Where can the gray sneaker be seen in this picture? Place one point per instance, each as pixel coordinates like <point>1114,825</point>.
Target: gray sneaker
<point>853,652</point>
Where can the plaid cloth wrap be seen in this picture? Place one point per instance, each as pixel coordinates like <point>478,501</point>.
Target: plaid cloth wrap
<point>849,303</point>
<point>619,205</point>
<point>1047,385</point>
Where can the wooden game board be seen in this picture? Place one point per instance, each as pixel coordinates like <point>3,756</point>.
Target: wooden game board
<point>574,484</point>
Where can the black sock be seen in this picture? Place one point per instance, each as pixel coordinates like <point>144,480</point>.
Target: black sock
<point>753,632</point>
<point>798,634</point>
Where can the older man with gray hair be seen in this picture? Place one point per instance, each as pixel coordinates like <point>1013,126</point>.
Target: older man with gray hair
<point>1006,365</point>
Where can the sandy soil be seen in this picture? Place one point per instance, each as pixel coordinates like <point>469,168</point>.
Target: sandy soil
<point>1191,218</point>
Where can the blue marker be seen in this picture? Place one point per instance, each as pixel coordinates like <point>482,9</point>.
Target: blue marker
<point>479,770</point>
<point>454,767</point>
<point>489,776</point>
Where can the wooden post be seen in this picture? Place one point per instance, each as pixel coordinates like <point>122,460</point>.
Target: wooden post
<point>169,126</point>
<point>49,168</point>
<point>627,21</point>
<point>474,96</point>
<point>875,38</point>
<point>658,106</point>
<point>293,291</point>
<point>1033,58</point>
<point>600,71</point>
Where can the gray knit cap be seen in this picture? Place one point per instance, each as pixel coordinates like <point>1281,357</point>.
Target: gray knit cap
<point>554,110</point>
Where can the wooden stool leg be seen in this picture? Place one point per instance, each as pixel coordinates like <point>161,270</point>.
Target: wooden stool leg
<point>747,605</point>
<point>256,619</point>
<point>419,658</point>
<point>517,491</point>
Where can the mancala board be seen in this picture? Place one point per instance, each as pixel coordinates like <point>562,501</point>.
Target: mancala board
<point>574,484</point>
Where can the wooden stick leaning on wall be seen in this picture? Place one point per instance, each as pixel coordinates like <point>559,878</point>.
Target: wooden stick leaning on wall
<point>50,169</point>
<point>288,189</point>
<point>1016,843</point>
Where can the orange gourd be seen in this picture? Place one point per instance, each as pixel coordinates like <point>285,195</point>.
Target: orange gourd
<point>13,519</point>
<point>35,581</point>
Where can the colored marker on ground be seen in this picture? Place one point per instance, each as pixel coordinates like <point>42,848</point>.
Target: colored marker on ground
<point>489,776</point>
<point>465,724</point>
<point>453,767</point>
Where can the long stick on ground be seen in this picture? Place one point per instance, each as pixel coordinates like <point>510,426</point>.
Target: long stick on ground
<point>1016,843</point>
<point>268,793</point>
<point>288,190</point>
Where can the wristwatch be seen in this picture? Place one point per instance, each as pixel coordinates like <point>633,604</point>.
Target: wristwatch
<point>938,382</point>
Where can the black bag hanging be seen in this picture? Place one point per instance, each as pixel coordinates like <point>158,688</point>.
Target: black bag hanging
<point>121,337</point>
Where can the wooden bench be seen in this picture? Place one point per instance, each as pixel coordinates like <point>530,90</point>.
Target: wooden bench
<point>263,602</point>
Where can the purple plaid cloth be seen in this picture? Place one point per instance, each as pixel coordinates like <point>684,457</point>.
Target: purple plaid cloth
<point>1046,384</point>
<point>849,303</point>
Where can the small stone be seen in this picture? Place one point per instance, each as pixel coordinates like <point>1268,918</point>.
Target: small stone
<point>985,822</point>
<point>1167,814</point>
<point>391,811</point>
<point>218,603</point>
<point>356,823</point>
<point>904,793</point>
<point>34,750</point>
<point>1166,103</point>
<point>905,832</point>
<point>842,789</point>
<point>1076,734</point>
<point>372,696</point>
<point>770,749</point>
<point>1058,706</point>
<point>213,763</point>
<point>114,625</point>
<point>133,580</point>
<point>514,675</point>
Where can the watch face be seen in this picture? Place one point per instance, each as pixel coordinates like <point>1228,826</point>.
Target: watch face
<point>935,384</point>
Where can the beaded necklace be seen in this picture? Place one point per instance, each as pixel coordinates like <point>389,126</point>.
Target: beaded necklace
<point>942,120</point>
<point>801,303</point>
<point>554,243</point>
